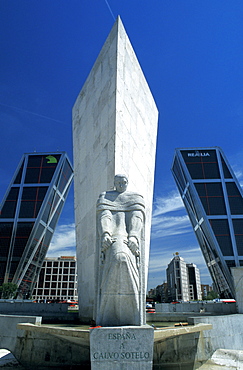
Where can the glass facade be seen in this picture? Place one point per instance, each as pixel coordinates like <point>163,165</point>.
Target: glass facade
<point>214,202</point>
<point>29,214</point>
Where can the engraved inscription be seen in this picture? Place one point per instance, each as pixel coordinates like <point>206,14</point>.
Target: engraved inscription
<point>118,336</point>
<point>123,346</point>
<point>122,355</point>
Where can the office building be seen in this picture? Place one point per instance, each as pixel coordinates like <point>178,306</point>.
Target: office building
<point>152,293</point>
<point>206,289</point>
<point>29,214</point>
<point>177,280</point>
<point>214,203</point>
<point>183,280</point>
<point>194,282</point>
<point>159,294</point>
<point>57,280</point>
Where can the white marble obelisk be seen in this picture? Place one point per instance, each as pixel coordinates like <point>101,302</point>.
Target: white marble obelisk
<point>114,131</point>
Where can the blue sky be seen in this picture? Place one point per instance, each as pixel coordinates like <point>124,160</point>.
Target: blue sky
<point>192,56</point>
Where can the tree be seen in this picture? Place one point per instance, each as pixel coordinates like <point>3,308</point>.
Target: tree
<point>212,295</point>
<point>8,290</point>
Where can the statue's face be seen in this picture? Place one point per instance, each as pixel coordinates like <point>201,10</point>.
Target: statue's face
<point>121,184</point>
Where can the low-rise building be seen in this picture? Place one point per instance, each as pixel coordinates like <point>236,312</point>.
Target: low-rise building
<point>57,280</point>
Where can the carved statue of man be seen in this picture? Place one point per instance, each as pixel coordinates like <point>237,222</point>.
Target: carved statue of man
<point>120,228</point>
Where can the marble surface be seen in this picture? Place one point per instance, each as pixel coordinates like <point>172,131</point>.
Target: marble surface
<point>120,257</point>
<point>114,131</point>
<point>126,348</point>
<point>225,359</point>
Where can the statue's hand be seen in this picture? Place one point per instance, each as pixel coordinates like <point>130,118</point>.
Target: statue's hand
<point>106,242</point>
<point>133,245</point>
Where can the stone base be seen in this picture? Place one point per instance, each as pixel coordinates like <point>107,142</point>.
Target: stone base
<point>122,347</point>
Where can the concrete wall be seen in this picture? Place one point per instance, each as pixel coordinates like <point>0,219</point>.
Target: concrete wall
<point>114,131</point>
<point>9,333</point>
<point>207,307</point>
<point>192,350</point>
<point>52,348</point>
<point>51,312</point>
<point>41,349</point>
<point>227,332</point>
<point>179,352</point>
<point>237,273</point>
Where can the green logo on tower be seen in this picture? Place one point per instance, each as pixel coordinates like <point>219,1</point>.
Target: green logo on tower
<point>51,159</point>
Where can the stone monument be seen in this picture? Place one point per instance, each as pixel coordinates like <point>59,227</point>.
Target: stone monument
<point>120,251</point>
<point>121,340</point>
<point>114,131</point>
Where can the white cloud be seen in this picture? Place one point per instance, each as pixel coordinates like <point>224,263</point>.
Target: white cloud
<point>63,242</point>
<point>164,224</point>
<point>164,205</point>
<point>238,173</point>
<point>160,258</point>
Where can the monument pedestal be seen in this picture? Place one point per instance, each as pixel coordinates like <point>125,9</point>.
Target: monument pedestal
<point>122,347</point>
